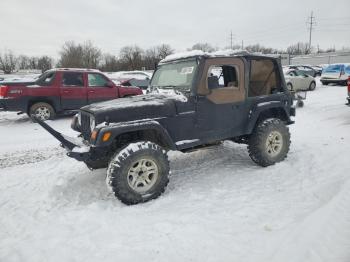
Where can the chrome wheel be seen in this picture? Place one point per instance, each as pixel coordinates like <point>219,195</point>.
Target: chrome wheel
<point>142,175</point>
<point>274,143</point>
<point>43,113</point>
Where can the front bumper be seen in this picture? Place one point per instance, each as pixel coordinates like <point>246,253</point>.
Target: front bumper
<point>76,148</point>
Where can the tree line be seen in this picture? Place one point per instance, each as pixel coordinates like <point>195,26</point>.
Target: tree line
<point>133,57</point>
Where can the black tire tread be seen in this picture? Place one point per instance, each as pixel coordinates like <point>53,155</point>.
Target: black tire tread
<point>257,137</point>
<point>119,160</point>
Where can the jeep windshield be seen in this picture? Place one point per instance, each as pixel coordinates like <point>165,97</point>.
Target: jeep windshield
<point>177,76</point>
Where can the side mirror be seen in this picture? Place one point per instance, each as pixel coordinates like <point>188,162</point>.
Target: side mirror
<point>213,82</point>
<point>109,84</point>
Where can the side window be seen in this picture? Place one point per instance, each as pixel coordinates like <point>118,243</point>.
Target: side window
<point>222,76</point>
<point>264,78</point>
<point>72,79</point>
<point>97,80</point>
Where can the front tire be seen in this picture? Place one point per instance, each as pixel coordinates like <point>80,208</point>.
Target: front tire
<point>43,111</point>
<point>138,173</point>
<point>312,86</point>
<point>269,142</point>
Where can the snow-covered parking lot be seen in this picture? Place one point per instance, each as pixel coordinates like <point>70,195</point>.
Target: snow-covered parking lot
<point>219,205</point>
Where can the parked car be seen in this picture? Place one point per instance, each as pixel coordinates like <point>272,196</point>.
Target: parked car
<point>297,80</point>
<point>336,73</point>
<point>141,83</point>
<point>60,90</point>
<point>247,103</point>
<point>318,70</point>
<point>308,70</point>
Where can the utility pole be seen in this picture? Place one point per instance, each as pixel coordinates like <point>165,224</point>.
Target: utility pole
<point>311,22</point>
<point>231,38</point>
<point>242,44</point>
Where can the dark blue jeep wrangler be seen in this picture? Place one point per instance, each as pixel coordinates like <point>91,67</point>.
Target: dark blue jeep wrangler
<point>194,101</point>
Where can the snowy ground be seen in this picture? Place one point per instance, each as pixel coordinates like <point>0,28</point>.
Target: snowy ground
<point>219,206</point>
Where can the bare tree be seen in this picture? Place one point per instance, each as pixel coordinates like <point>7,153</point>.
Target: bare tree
<point>91,55</point>
<point>110,63</point>
<point>299,49</point>
<point>23,62</point>
<point>205,47</point>
<point>8,62</point>
<point>44,63</point>
<point>131,56</point>
<point>164,50</point>
<point>71,55</point>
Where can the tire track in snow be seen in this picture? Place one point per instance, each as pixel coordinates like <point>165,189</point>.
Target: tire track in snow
<point>29,156</point>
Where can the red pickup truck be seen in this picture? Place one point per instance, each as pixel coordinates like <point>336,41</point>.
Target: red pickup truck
<point>60,90</point>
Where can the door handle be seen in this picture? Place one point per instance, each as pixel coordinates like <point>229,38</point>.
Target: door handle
<point>66,91</point>
<point>91,91</point>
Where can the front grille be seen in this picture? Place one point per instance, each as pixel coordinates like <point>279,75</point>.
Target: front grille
<point>85,125</point>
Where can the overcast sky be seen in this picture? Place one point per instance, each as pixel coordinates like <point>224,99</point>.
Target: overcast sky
<point>38,27</point>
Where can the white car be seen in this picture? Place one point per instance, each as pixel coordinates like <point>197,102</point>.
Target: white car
<point>336,73</point>
<point>298,81</point>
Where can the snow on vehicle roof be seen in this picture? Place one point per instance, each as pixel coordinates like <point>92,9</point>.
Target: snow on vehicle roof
<point>140,75</point>
<point>193,53</point>
<point>75,69</point>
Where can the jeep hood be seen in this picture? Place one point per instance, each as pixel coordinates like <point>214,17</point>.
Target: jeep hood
<point>135,108</point>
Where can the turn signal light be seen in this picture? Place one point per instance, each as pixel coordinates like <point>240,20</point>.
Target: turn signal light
<point>106,136</point>
<point>93,135</point>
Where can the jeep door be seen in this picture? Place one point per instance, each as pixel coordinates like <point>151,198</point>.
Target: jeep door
<point>99,88</point>
<point>72,90</point>
<point>220,109</point>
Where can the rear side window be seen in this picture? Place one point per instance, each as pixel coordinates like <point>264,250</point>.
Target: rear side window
<point>72,79</point>
<point>97,80</point>
<point>46,79</point>
<point>264,78</point>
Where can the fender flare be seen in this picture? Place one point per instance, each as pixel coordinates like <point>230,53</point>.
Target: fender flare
<point>132,126</point>
<point>276,107</point>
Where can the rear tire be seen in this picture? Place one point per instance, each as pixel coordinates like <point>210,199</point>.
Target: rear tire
<point>138,173</point>
<point>43,111</point>
<point>269,142</point>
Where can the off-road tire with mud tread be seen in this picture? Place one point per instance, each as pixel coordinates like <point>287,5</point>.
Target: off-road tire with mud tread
<point>257,147</point>
<point>121,163</point>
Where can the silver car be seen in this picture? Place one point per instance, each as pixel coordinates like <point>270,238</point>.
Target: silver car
<point>336,73</point>
<point>298,81</point>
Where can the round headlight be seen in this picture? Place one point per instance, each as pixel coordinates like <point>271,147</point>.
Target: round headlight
<point>92,123</point>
